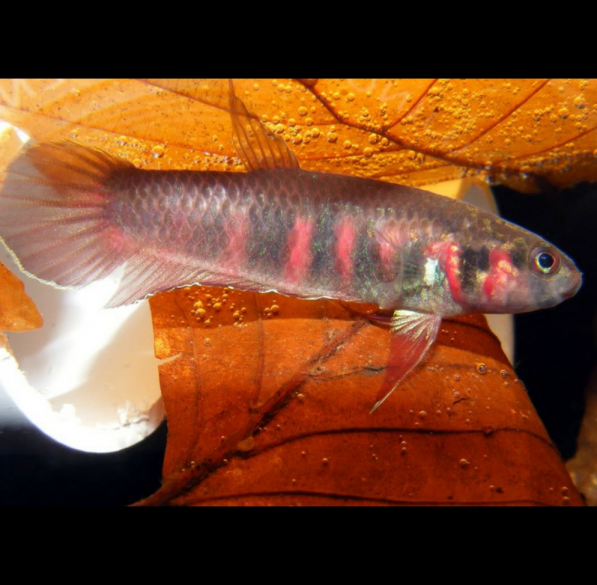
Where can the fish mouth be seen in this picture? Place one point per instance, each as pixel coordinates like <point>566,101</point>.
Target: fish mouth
<point>559,293</point>
<point>574,285</point>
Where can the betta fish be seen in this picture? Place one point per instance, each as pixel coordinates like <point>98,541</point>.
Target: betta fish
<point>71,215</point>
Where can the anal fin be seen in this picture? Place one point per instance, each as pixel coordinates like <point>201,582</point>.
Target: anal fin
<point>411,336</point>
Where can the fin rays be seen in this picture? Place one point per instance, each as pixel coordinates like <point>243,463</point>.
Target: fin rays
<point>258,147</point>
<point>53,213</point>
<point>412,334</point>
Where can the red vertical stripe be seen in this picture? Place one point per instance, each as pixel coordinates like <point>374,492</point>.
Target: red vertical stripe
<point>345,242</point>
<point>299,251</point>
<point>448,253</point>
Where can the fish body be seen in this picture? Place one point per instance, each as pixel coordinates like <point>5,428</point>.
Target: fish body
<point>72,215</point>
<point>297,232</point>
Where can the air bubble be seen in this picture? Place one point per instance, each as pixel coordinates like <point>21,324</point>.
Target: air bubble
<point>482,368</point>
<point>158,151</point>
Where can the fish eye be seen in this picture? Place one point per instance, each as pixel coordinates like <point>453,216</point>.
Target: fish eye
<point>544,261</point>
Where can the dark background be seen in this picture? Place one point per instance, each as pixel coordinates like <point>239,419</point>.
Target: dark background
<point>555,353</point>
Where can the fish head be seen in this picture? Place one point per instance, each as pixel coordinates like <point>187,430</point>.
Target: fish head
<point>553,276</point>
<point>525,275</point>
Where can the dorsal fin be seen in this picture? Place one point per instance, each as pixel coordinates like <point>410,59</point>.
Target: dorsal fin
<point>257,145</point>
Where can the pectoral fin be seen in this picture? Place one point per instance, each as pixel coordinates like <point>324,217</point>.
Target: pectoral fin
<point>412,334</point>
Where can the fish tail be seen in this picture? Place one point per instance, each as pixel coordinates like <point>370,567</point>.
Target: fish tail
<point>54,216</point>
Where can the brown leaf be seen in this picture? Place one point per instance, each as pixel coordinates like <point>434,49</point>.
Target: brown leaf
<point>268,402</point>
<point>524,133</point>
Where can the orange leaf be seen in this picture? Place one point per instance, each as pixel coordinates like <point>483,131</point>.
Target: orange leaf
<point>519,132</point>
<point>17,311</point>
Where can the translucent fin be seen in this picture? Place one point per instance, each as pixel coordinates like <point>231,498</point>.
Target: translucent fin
<point>412,334</point>
<point>52,213</point>
<point>146,274</point>
<point>256,145</point>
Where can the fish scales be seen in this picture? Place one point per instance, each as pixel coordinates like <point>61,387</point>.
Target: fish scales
<point>285,216</point>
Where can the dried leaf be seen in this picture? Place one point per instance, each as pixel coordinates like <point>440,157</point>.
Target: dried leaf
<point>17,310</point>
<point>268,402</point>
<point>524,133</point>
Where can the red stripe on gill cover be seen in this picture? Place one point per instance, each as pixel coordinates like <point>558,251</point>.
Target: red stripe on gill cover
<point>501,270</point>
<point>448,253</point>
<point>299,250</point>
<point>345,241</point>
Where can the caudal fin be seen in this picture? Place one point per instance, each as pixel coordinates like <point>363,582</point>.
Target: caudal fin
<point>53,213</point>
